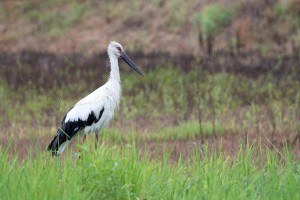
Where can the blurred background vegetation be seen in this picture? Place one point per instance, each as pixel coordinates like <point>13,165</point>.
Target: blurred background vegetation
<point>213,69</point>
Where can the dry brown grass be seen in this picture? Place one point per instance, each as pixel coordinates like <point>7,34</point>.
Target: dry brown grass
<point>149,27</point>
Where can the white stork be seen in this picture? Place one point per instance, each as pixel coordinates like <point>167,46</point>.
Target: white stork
<point>93,112</point>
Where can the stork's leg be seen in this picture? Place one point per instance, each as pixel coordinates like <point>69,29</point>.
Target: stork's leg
<point>96,142</point>
<point>83,141</point>
<point>84,137</point>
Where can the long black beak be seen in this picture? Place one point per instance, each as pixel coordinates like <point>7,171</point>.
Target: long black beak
<point>126,58</point>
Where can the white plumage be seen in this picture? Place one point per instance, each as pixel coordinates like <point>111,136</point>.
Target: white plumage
<point>107,97</point>
<point>94,112</point>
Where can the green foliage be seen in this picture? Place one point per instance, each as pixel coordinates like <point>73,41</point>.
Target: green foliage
<point>212,18</point>
<point>126,173</point>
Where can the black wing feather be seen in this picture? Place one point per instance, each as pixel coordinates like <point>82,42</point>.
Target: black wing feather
<point>69,129</point>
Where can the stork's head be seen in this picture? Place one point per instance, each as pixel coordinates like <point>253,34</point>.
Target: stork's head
<point>117,50</point>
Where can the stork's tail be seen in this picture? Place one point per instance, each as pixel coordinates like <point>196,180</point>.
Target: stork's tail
<point>58,144</point>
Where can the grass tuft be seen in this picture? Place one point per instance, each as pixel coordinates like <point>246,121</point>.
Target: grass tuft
<point>111,172</point>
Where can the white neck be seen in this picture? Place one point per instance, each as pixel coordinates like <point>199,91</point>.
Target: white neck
<point>114,67</point>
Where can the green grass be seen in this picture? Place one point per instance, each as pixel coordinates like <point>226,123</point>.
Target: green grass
<point>166,93</point>
<point>167,99</point>
<point>185,130</point>
<point>124,173</point>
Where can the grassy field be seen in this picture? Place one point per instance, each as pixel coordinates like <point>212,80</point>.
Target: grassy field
<point>165,154</point>
<point>217,115</point>
<point>220,102</point>
<point>111,172</point>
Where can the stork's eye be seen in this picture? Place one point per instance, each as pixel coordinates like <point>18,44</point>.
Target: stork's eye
<point>119,49</point>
